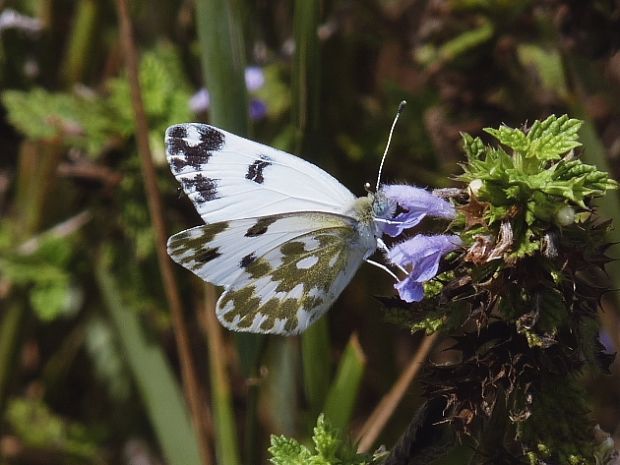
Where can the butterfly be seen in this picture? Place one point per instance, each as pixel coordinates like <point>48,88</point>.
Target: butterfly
<point>282,236</point>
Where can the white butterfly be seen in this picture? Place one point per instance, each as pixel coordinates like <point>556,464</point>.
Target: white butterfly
<point>282,236</point>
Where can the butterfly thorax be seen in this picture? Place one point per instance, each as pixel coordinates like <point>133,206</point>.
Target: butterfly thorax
<point>367,209</point>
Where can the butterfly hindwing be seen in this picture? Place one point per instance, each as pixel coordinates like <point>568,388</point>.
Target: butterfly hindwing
<point>228,177</point>
<point>281,272</point>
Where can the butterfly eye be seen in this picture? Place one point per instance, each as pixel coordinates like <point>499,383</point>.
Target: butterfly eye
<point>368,188</point>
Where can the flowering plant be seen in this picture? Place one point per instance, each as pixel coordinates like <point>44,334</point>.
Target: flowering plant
<point>519,301</point>
<point>514,280</point>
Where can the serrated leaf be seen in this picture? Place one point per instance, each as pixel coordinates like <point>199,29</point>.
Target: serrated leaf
<point>473,146</point>
<point>330,449</point>
<point>510,137</point>
<point>551,138</point>
<point>325,439</point>
<point>77,120</point>
<point>545,140</point>
<point>287,451</point>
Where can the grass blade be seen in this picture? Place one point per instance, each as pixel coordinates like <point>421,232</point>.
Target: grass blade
<point>316,367</point>
<point>343,391</point>
<point>223,62</point>
<point>226,444</point>
<point>156,383</point>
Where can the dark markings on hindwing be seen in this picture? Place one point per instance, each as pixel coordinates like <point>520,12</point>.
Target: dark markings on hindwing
<point>206,255</point>
<point>206,187</point>
<point>255,170</point>
<point>247,260</point>
<point>193,240</point>
<point>183,154</point>
<point>260,227</point>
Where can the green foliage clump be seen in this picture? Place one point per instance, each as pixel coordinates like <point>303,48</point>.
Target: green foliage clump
<point>39,428</point>
<point>41,266</point>
<point>93,122</point>
<point>329,449</point>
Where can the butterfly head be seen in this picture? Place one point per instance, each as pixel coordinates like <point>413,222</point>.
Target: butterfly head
<point>372,211</point>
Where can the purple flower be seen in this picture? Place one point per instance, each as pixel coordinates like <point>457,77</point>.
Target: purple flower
<point>421,255</point>
<point>200,101</point>
<point>412,204</point>
<point>254,78</point>
<point>258,109</point>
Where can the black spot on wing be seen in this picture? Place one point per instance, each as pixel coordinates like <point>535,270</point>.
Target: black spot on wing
<point>200,184</point>
<point>183,154</point>
<point>255,170</point>
<point>247,260</point>
<point>177,132</point>
<point>260,227</point>
<point>212,138</point>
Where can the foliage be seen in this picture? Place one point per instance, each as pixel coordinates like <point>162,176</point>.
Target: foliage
<point>521,299</point>
<point>526,321</point>
<point>43,271</point>
<point>329,449</point>
<point>93,122</point>
<point>50,434</point>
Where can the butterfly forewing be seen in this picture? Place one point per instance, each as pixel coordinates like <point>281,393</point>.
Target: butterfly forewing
<point>281,272</point>
<point>228,177</point>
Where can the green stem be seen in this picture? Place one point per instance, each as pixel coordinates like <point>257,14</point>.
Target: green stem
<point>80,41</point>
<point>10,335</point>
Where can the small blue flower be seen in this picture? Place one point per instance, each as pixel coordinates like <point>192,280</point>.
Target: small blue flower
<point>200,101</point>
<point>412,204</point>
<point>421,255</point>
<point>258,109</point>
<point>254,78</point>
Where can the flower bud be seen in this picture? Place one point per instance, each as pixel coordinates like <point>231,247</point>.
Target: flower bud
<point>565,215</point>
<point>475,186</point>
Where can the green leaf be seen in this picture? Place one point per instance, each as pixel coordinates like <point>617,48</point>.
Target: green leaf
<point>37,426</point>
<point>545,140</point>
<point>329,449</point>
<point>473,146</point>
<point>286,451</point>
<point>76,120</point>
<point>345,387</point>
<point>553,137</point>
<point>325,439</point>
<point>510,137</point>
<point>547,63</point>
<point>154,378</point>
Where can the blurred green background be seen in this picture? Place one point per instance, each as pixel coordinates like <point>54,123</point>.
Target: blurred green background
<point>108,353</point>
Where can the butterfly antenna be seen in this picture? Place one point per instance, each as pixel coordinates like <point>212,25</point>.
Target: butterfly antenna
<point>401,107</point>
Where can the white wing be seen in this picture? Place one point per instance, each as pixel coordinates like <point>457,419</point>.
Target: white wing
<point>228,177</point>
<point>280,272</point>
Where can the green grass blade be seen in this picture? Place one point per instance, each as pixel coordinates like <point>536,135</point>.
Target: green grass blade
<point>280,388</point>
<point>306,75</point>
<point>222,53</point>
<point>305,113</point>
<point>343,391</point>
<point>226,443</point>
<point>80,42</point>
<point>223,62</point>
<point>11,330</point>
<point>316,365</point>
<point>154,378</point>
